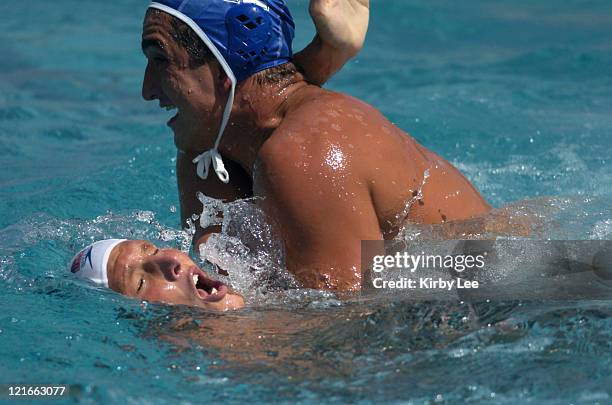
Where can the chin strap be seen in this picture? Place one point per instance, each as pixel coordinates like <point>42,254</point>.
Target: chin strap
<point>212,155</point>
<point>203,165</point>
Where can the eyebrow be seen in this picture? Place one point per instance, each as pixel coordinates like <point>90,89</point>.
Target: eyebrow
<point>124,277</point>
<point>123,281</point>
<point>130,269</point>
<point>145,246</point>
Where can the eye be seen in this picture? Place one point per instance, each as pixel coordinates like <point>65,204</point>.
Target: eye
<point>140,284</point>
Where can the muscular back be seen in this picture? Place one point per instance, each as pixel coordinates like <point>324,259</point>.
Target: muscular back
<point>336,172</point>
<point>334,141</point>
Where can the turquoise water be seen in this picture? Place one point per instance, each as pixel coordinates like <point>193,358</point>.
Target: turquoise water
<point>517,94</point>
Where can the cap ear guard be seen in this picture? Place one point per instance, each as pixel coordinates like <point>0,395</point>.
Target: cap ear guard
<point>249,29</point>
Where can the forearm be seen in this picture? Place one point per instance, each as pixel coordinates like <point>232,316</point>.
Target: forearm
<point>320,61</point>
<point>341,29</point>
<point>202,235</point>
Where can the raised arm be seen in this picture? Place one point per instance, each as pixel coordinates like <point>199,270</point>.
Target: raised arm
<point>341,30</point>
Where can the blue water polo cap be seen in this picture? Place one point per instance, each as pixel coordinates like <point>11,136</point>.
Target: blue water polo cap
<point>246,37</point>
<point>251,35</point>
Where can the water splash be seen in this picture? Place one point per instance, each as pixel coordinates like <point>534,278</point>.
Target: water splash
<point>212,211</point>
<point>247,249</point>
<point>415,196</point>
<point>550,218</point>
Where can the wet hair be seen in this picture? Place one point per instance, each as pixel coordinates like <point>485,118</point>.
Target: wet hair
<point>277,74</point>
<point>199,53</point>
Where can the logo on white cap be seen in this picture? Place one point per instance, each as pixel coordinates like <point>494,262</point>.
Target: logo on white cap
<point>91,262</point>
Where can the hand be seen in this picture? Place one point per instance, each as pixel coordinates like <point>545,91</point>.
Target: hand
<point>341,24</point>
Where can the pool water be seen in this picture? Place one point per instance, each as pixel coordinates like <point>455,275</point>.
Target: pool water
<point>516,94</point>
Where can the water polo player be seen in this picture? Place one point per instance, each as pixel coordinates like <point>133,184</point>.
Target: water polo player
<point>139,269</point>
<point>329,170</point>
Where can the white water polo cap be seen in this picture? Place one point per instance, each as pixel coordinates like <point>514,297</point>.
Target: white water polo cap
<point>91,262</point>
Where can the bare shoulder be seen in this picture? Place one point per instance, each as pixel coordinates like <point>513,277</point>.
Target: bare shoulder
<point>326,133</point>
<point>323,108</point>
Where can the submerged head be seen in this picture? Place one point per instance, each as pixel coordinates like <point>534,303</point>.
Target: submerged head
<point>138,269</point>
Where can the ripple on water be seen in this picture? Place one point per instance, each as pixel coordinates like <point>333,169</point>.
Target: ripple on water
<point>15,114</point>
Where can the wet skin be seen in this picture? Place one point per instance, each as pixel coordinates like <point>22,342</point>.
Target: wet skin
<point>331,169</point>
<point>138,269</point>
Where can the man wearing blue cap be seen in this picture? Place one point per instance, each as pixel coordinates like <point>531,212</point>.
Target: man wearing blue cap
<point>330,169</point>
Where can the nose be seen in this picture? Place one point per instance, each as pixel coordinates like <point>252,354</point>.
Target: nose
<point>169,267</point>
<point>149,84</point>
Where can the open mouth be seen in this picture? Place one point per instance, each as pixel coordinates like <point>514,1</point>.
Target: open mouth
<point>206,288</point>
<point>171,108</point>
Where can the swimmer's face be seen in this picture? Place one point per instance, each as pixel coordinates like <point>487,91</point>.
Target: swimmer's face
<point>140,270</point>
<point>193,91</point>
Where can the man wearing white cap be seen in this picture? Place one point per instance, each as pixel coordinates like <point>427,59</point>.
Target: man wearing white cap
<point>139,269</point>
